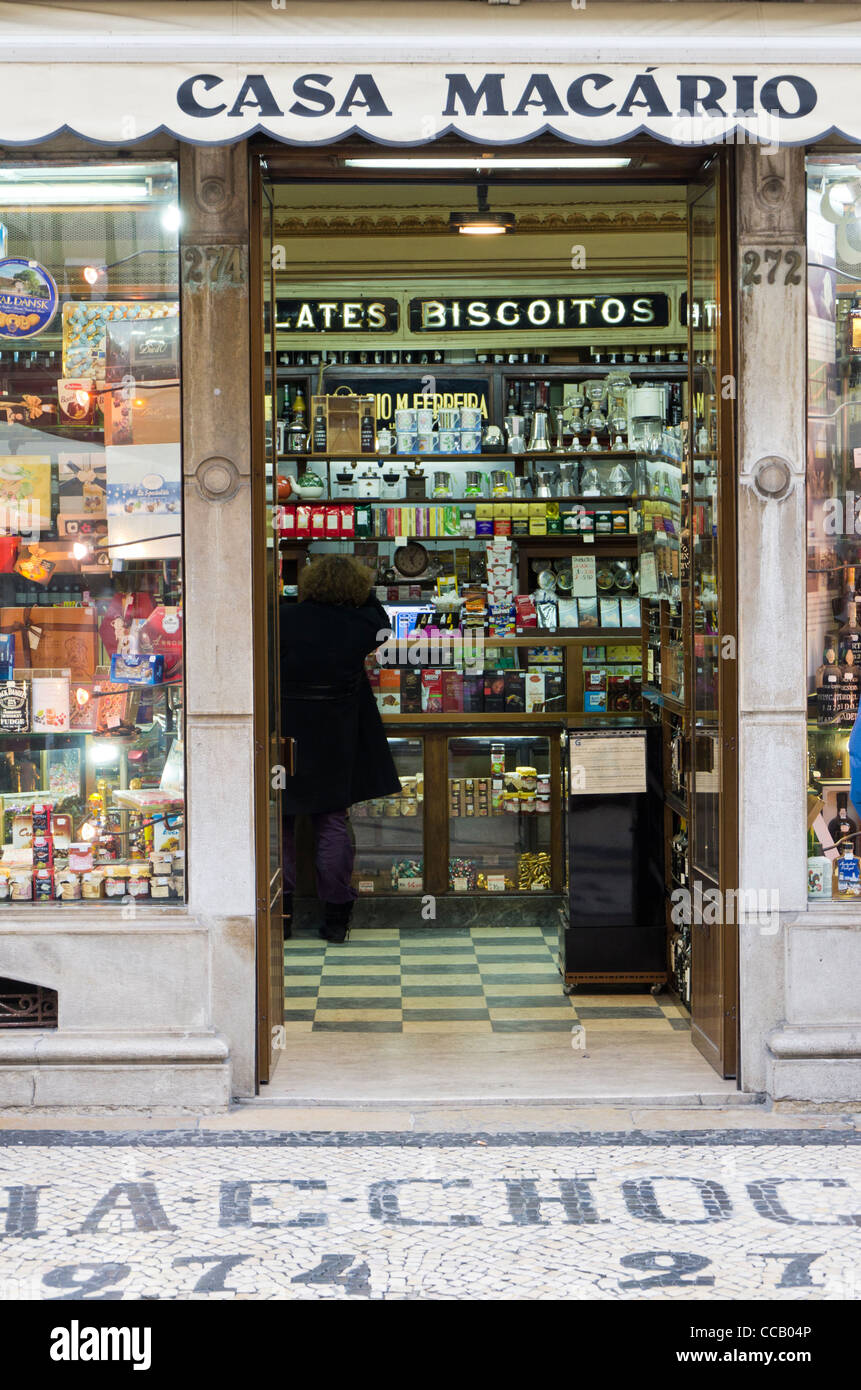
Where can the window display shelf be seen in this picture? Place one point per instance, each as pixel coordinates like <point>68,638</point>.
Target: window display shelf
<point>657,697</point>
<point>510,371</point>
<point>468,717</point>
<point>548,455</point>
<point>585,498</point>
<point>605,545</point>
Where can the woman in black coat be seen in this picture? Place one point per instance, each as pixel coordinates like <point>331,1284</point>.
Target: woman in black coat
<point>342,754</point>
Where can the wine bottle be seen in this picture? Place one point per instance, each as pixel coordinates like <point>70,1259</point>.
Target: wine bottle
<point>299,407</point>
<point>320,431</point>
<point>850,633</point>
<point>842,826</point>
<point>828,685</point>
<point>847,874</point>
<point>850,684</point>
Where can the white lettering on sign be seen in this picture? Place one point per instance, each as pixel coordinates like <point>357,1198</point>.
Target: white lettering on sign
<point>580,311</point>
<point>337,315</point>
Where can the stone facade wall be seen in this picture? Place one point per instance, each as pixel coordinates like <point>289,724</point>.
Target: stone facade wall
<point>800,986</point>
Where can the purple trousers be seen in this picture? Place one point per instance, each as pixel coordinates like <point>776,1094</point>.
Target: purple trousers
<point>333,856</point>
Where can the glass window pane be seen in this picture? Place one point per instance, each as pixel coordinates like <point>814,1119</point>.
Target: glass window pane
<point>91,603</point>
<point>833,519</point>
<point>499,814</point>
<point>389,830</point>
<point>704,534</point>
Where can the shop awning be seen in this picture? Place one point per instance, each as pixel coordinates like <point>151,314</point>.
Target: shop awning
<point>407,73</point>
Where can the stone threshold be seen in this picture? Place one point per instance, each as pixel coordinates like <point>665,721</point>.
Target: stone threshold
<point>620,1100</point>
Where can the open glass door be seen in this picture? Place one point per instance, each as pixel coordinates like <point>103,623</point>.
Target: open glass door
<point>712,620</point>
<point>268,752</point>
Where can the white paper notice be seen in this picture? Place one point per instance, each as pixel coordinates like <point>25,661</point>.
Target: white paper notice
<point>583,576</point>
<point>603,764</point>
<point>648,574</point>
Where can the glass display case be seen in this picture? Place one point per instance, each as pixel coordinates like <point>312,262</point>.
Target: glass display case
<point>389,831</point>
<point>91,585</point>
<point>501,818</point>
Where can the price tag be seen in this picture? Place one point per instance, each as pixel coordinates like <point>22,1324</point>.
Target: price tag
<point>460,885</point>
<point>496,883</point>
<point>366,885</point>
<point>408,885</point>
<point>400,540</point>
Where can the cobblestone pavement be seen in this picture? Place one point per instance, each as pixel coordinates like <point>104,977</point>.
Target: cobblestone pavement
<point>692,1214</point>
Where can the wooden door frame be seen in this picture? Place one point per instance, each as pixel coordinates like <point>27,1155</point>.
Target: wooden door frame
<point>265,929</point>
<point>723,1055</point>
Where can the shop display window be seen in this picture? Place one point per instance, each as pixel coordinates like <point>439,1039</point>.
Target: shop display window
<point>500,812</point>
<point>91,601</point>
<point>833,525</point>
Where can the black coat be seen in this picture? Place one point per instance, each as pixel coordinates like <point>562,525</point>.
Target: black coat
<point>328,707</point>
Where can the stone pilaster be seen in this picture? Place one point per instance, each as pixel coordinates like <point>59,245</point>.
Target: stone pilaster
<point>800,1015</point>
<point>217,493</point>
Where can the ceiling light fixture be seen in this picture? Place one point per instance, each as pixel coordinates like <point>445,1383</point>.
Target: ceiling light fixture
<point>487,161</point>
<point>71,194</point>
<point>483,222</point>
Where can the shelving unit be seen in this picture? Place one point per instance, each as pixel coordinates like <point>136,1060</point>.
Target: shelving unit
<point>434,730</point>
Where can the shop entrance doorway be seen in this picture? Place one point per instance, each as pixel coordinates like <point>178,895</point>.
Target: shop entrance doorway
<point>507,392</point>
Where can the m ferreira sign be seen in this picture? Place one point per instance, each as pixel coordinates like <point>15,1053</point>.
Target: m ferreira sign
<point>413,103</point>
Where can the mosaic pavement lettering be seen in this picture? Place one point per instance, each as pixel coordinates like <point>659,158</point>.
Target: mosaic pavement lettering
<point>692,1215</point>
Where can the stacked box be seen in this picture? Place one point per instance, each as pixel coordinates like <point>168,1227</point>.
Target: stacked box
<point>473,694</point>
<point>494,692</point>
<point>411,691</point>
<point>514,692</point>
<point>452,692</point>
<point>390,690</point>
<point>432,691</point>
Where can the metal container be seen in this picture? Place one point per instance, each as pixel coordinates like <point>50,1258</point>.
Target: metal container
<point>515,429</point>
<point>542,484</point>
<point>568,479</point>
<point>539,439</point>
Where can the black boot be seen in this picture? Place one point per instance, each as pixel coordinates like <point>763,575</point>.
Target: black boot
<point>336,923</point>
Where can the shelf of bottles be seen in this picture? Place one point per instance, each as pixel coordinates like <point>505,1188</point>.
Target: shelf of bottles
<point>833,565</point>
<point>505,413</point>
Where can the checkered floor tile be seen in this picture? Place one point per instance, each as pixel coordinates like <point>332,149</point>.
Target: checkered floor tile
<point>466,980</point>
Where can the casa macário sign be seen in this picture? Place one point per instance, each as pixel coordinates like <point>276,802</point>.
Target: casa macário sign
<point>697,99</point>
<point>337,315</point>
<point>558,311</point>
